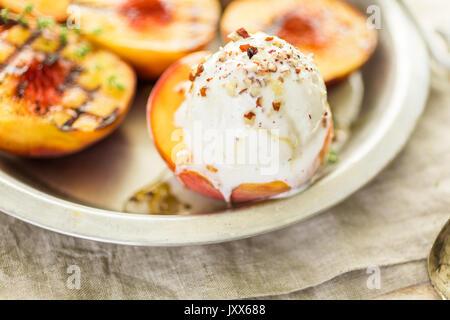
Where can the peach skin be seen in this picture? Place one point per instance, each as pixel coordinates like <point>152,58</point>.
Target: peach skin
<point>150,34</point>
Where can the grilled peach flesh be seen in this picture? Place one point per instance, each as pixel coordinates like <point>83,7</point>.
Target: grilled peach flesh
<point>59,94</point>
<point>150,34</point>
<point>335,32</point>
<point>49,8</point>
<point>165,99</point>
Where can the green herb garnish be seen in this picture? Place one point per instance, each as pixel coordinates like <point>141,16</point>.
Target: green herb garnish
<point>83,50</point>
<point>5,15</point>
<point>21,18</point>
<point>63,35</point>
<point>332,157</point>
<point>114,83</point>
<point>43,23</point>
<point>28,8</point>
<point>77,30</point>
<point>22,21</point>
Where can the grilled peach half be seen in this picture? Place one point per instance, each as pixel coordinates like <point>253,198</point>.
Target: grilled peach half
<point>58,94</point>
<point>335,32</point>
<point>164,100</point>
<point>50,8</point>
<point>150,34</point>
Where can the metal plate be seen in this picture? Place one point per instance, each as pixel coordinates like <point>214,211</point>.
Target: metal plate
<point>82,195</point>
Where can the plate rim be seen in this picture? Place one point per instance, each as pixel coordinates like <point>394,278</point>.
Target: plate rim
<point>23,202</point>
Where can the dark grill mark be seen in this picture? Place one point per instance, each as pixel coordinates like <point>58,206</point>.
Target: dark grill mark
<point>43,87</point>
<point>7,24</point>
<point>20,92</point>
<point>109,119</point>
<point>72,76</point>
<point>67,126</point>
<point>33,37</point>
<point>51,59</point>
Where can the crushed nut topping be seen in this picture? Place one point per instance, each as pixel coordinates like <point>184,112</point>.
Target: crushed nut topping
<point>250,116</point>
<point>222,55</point>
<point>197,72</point>
<point>234,36</point>
<point>274,56</point>
<point>251,51</point>
<point>244,47</point>
<point>284,68</point>
<point>243,33</point>
<point>254,91</point>
<point>203,91</point>
<point>276,105</point>
<point>277,88</point>
<point>271,67</point>
<point>231,86</point>
<point>278,44</point>
<point>259,102</point>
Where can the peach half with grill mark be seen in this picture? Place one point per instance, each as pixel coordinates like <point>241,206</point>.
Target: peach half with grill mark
<point>58,93</point>
<point>335,32</point>
<point>165,99</point>
<point>150,34</point>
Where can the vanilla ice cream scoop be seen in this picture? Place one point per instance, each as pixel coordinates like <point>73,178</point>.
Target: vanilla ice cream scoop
<point>255,112</point>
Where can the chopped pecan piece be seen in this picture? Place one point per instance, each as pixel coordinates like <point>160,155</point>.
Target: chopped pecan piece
<point>276,105</point>
<point>198,71</point>
<point>243,33</point>
<point>203,91</point>
<point>251,51</point>
<point>259,102</point>
<point>244,47</point>
<point>249,115</point>
<point>272,67</point>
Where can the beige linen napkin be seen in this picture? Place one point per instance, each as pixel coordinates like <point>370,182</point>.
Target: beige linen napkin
<point>384,230</point>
